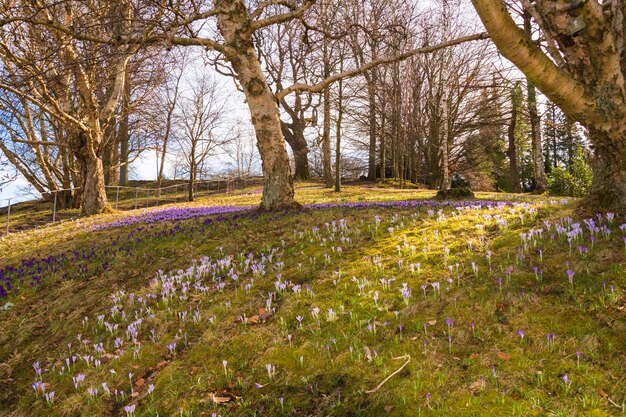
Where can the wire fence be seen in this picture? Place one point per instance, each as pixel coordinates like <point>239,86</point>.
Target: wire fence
<point>36,212</point>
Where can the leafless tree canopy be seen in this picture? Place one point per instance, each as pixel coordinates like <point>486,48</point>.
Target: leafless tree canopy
<point>410,89</point>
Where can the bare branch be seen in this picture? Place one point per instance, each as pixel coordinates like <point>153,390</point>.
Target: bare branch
<point>513,44</point>
<point>40,142</point>
<point>204,42</point>
<point>316,88</point>
<point>284,17</point>
<point>264,5</point>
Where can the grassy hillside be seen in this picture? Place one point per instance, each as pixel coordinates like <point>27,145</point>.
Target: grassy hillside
<point>366,303</point>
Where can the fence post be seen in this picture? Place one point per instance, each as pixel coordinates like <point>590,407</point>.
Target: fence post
<point>147,196</point>
<point>117,196</point>
<point>158,195</point>
<point>8,216</point>
<point>54,207</point>
<point>136,192</point>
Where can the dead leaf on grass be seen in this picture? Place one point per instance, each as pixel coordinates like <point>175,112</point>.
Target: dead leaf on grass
<point>368,354</point>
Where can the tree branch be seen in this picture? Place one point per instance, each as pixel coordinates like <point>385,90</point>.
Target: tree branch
<point>515,46</point>
<point>264,5</point>
<point>280,18</point>
<point>316,88</point>
<point>207,43</point>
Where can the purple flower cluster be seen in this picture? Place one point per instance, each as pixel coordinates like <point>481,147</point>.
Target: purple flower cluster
<point>94,260</point>
<point>184,213</point>
<point>172,214</point>
<point>473,204</point>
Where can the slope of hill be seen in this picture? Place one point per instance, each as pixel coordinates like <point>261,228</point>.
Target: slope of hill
<point>366,303</point>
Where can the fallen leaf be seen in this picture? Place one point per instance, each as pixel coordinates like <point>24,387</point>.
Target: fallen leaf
<point>432,322</point>
<point>162,364</point>
<point>603,394</point>
<point>473,355</point>
<point>140,382</point>
<point>368,354</point>
<point>252,320</point>
<point>476,386</point>
<point>503,356</point>
<point>262,311</point>
<point>223,397</point>
<point>218,400</point>
<point>388,409</point>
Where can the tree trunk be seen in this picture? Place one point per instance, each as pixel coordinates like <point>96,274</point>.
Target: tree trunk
<point>124,133</point>
<point>608,186</point>
<point>278,191</point>
<point>512,152</point>
<point>535,124</point>
<point>338,133</point>
<point>93,191</point>
<point>445,159</point>
<point>383,152</point>
<point>371,92</point>
<point>107,153</point>
<point>294,135</point>
<point>192,180</point>
<point>327,168</point>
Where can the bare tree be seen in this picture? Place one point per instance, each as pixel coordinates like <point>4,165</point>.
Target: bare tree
<point>200,115</point>
<point>286,51</point>
<point>63,76</point>
<point>241,151</point>
<point>225,27</point>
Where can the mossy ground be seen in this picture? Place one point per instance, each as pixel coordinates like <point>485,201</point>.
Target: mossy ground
<point>467,356</point>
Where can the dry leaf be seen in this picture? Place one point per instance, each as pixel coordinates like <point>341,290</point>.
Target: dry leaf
<point>252,320</point>
<point>219,400</point>
<point>473,355</point>
<point>603,394</point>
<point>368,354</point>
<point>503,356</point>
<point>388,409</point>
<point>162,364</point>
<point>476,386</point>
<point>140,382</point>
<point>432,322</point>
<point>265,316</point>
<point>262,311</point>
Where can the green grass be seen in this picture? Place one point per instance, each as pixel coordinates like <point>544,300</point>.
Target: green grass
<point>326,368</point>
